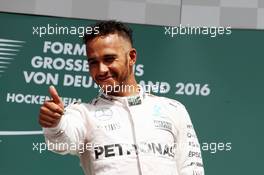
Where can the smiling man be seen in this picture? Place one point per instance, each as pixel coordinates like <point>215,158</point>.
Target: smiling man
<point>124,130</point>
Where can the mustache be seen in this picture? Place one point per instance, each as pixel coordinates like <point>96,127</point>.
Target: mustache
<point>105,76</point>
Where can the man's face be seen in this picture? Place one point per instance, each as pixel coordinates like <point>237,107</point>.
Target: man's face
<point>109,59</point>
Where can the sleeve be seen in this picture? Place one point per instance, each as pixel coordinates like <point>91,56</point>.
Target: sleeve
<point>189,157</point>
<point>188,154</point>
<point>67,136</point>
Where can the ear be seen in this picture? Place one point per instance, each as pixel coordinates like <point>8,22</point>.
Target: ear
<point>132,56</point>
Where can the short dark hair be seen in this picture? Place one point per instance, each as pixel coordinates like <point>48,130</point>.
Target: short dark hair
<point>110,27</point>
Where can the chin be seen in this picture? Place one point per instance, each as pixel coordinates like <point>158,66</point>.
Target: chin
<point>107,85</point>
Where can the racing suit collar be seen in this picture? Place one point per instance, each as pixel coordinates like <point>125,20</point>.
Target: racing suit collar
<point>128,100</point>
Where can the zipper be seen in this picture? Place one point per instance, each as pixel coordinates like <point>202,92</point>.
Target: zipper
<point>134,139</point>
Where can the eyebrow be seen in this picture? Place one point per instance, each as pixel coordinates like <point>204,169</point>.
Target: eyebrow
<point>104,56</point>
<point>108,55</point>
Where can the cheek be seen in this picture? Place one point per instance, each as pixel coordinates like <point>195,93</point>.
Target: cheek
<point>119,69</point>
<point>114,71</point>
<point>92,72</point>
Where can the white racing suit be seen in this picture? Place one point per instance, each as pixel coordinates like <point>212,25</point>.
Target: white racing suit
<point>137,135</point>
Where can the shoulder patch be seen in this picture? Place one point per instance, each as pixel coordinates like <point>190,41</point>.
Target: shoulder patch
<point>172,102</point>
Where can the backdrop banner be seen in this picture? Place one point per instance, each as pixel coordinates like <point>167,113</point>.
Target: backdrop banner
<point>217,73</point>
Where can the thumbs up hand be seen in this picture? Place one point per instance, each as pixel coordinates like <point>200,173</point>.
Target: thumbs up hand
<point>52,110</point>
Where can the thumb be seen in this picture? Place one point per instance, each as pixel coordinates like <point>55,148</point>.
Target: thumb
<point>55,96</point>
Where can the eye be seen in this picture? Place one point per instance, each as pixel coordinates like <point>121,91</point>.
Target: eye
<point>92,62</point>
<point>109,59</point>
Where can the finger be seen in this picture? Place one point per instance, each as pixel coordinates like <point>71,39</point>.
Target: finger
<point>44,123</point>
<point>50,105</point>
<point>55,96</point>
<point>48,118</point>
<point>54,114</point>
<point>45,126</point>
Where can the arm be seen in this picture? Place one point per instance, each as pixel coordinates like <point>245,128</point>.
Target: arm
<point>189,161</point>
<point>63,129</point>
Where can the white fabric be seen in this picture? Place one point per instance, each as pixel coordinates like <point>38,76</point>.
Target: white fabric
<point>145,134</point>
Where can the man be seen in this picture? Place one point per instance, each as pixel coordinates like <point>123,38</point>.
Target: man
<point>127,130</point>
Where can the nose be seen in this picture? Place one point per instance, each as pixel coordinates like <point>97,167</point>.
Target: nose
<point>103,69</point>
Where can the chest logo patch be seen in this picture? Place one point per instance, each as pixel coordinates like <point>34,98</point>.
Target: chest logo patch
<point>103,114</point>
